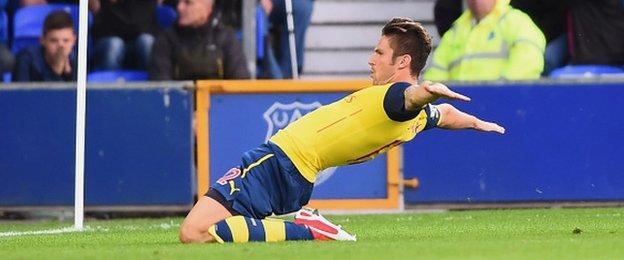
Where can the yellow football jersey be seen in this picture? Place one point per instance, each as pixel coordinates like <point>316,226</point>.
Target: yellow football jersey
<point>354,129</point>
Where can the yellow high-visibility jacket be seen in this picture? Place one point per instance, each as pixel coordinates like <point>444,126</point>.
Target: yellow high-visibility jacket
<point>505,44</point>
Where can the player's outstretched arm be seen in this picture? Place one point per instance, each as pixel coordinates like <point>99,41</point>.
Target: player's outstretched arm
<point>453,118</point>
<point>416,96</point>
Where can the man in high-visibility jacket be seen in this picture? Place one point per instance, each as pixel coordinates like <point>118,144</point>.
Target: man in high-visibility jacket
<point>490,41</point>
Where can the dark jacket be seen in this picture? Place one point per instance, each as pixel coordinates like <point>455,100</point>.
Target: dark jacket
<point>598,32</point>
<point>548,15</point>
<point>445,12</point>
<point>30,65</point>
<point>205,52</point>
<point>126,19</point>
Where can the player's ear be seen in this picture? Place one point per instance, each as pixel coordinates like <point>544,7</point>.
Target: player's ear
<point>405,61</point>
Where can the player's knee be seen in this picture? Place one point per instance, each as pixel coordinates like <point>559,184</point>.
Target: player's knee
<point>189,234</point>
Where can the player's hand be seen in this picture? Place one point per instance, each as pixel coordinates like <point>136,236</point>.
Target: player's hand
<point>442,91</point>
<point>488,127</point>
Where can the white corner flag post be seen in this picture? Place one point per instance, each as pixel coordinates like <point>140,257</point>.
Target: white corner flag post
<point>81,100</point>
<point>290,22</point>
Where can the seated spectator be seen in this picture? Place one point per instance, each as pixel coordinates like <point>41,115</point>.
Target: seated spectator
<point>489,41</point>
<point>52,60</point>
<point>195,48</point>
<point>123,33</point>
<point>549,16</point>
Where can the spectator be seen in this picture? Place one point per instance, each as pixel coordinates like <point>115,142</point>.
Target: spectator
<point>123,32</point>
<point>229,13</point>
<point>196,48</point>
<point>490,41</point>
<point>549,16</point>
<point>597,35</point>
<point>302,13</point>
<point>52,60</point>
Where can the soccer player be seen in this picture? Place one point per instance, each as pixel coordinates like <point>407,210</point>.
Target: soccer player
<point>277,177</point>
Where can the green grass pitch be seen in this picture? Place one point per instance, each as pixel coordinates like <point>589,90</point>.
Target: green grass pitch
<point>502,234</point>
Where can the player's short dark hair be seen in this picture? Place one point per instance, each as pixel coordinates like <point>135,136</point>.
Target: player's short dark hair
<point>57,20</point>
<point>408,37</point>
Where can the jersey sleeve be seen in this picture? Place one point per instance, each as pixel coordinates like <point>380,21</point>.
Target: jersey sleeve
<point>394,103</point>
<point>433,116</point>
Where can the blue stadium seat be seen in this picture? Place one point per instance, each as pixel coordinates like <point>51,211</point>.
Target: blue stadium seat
<point>28,22</point>
<point>586,71</point>
<point>117,75</point>
<point>6,77</point>
<point>166,15</point>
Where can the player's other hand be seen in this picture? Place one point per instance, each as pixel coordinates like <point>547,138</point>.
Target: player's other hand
<point>441,91</point>
<point>489,127</point>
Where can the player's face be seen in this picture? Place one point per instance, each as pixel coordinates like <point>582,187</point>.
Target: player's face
<point>383,69</point>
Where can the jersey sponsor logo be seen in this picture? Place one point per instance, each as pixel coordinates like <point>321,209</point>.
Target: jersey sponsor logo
<point>281,115</point>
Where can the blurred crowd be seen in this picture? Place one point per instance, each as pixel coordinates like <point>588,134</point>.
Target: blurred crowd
<point>150,39</point>
<point>201,39</point>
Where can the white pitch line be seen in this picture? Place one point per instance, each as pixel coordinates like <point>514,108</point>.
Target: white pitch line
<point>38,232</point>
<point>164,226</point>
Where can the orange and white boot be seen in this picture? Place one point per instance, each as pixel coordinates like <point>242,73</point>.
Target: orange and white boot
<point>320,227</point>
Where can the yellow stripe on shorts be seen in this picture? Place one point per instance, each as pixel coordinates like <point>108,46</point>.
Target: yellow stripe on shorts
<point>274,230</point>
<point>238,228</point>
<point>256,163</point>
<point>212,230</point>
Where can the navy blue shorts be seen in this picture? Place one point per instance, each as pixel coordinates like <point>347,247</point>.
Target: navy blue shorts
<point>267,182</point>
